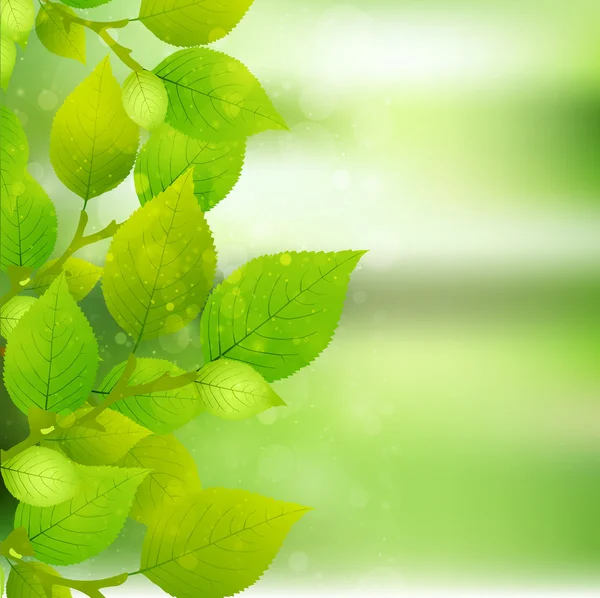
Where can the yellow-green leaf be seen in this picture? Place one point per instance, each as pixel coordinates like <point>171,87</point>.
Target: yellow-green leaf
<point>12,311</point>
<point>161,264</point>
<point>8,59</point>
<point>145,99</point>
<point>16,19</point>
<point>93,142</point>
<point>61,37</point>
<point>81,277</point>
<point>14,155</point>
<point>192,22</point>
<point>24,583</point>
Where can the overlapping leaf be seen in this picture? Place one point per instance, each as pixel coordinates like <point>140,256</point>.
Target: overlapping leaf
<point>145,99</point>
<point>14,155</point>
<point>85,3</point>
<point>278,312</point>
<point>93,142</point>
<point>85,525</point>
<point>12,311</point>
<point>8,59</point>
<point>214,97</point>
<point>192,22</point>
<point>217,543</point>
<point>52,355</point>
<point>169,153</point>
<point>16,19</point>
<point>64,38</point>
<point>24,583</point>
<point>161,264</point>
<point>81,277</point>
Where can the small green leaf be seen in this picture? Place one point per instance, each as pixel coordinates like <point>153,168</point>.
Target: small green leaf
<point>278,312</point>
<point>173,475</point>
<point>81,277</point>
<point>16,19</point>
<point>217,543</point>
<point>41,477</point>
<point>214,97</point>
<point>24,583</point>
<point>105,445</point>
<point>8,59</point>
<point>161,264</point>
<point>192,22</point>
<point>85,525</point>
<point>52,355</point>
<point>234,390</point>
<point>14,155</point>
<point>168,153</point>
<point>61,37</point>
<point>28,226</point>
<point>145,99</point>
<point>93,143</point>
<point>162,411</point>
<point>12,311</point>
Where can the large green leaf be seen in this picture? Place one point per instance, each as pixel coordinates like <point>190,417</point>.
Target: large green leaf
<point>173,476</point>
<point>85,525</point>
<point>41,477</point>
<point>192,22</point>
<point>52,355</point>
<point>93,142</point>
<point>81,277</point>
<point>60,36</point>
<point>8,59</point>
<point>169,153</point>
<point>14,155</point>
<point>28,226</point>
<point>161,264</point>
<point>234,390</point>
<point>214,97</point>
<point>12,311</point>
<point>145,99</point>
<point>217,543</point>
<point>16,19</point>
<point>278,312</point>
<point>102,445</point>
<point>162,411</point>
<point>24,583</point>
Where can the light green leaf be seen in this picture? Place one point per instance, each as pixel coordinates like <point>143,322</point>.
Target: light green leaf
<point>214,97</point>
<point>85,525</point>
<point>41,477</point>
<point>85,3</point>
<point>93,142</point>
<point>52,355</point>
<point>24,583</point>
<point>14,155</point>
<point>192,22</point>
<point>278,312</point>
<point>173,476</point>
<point>61,37</point>
<point>16,19</point>
<point>81,277</point>
<point>161,264</point>
<point>105,446</point>
<point>28,226</point>
<point>234,390</point>
<point>8,59</point>
<point>169,153</point>
<point>12,311</point>
<point>217,543</point>
<point>163,411</point>
<point>145,99</point>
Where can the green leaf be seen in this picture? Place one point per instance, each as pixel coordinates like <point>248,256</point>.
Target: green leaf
<point>234,390</point>
<point>41,477</point>
<point>60,36</point>
<point>28,226</point>
<point>163,411</point>
<point>173,476</point>
<point>8,59</point>
<point>106,445</point>
<point>168,153</point>
<point>14,155</point>
<point>16,19</point>
<point>93,142</point>
<point>85,3</point>
<point>85,525</point>
<point>214,97</point>
<point>145,99</point>
<point>12,311</point>
<point>81,277</point>
<point>24,583</point>
<point>192,22</point>
<point>278,312</point>
<point>52,355</point>
<point>216,544</point>
<point>161,264</point>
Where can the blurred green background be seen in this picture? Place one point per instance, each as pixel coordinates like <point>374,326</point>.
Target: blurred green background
<point>452,430</point>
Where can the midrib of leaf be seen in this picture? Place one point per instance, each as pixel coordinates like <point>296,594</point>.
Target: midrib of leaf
<point>36,475</point>
<point>166,11</point>
<point>62,31</point>
<point>54,311</point>
<point>19,232</point>
<point>93,155</point>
